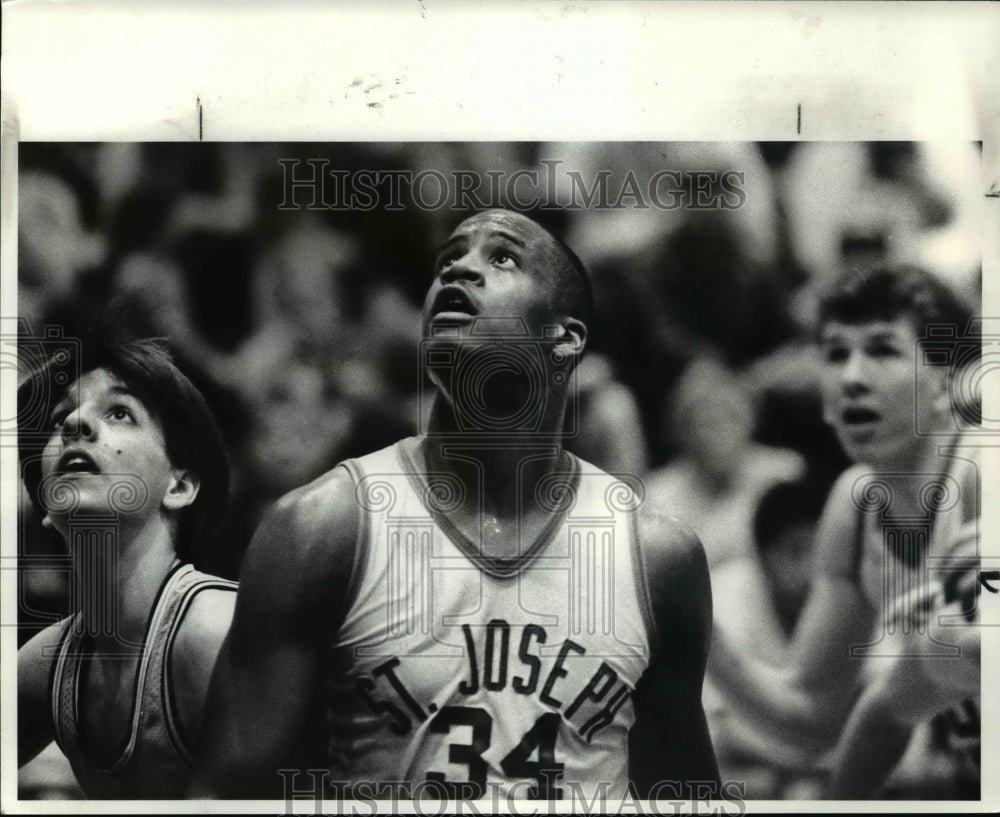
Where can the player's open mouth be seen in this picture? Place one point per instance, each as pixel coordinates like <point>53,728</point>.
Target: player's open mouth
<point>858,416</point>
<point>76,462</point>
<point>453,303</point>
<point>859,425</point>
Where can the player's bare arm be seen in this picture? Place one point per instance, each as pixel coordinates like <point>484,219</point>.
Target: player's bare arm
<point>265,710</point>
<point>804,702</point>
<point>908,690</point>
<point>670,739</point>
<point>34,716</point>
<point>836,616</point>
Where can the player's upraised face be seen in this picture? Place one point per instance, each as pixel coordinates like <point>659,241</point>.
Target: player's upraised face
<point>873,389</point>
<point>106,453</point>
<point>495,265</point>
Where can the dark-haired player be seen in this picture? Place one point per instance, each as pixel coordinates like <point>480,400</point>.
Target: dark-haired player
<point>134,476</point>
<point>895,526</point>
<point>473,610</point>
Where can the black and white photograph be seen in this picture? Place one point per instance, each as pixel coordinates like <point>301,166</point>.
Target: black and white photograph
<point>525,466</point>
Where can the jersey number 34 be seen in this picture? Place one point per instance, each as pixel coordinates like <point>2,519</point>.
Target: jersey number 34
<point>541,737</point>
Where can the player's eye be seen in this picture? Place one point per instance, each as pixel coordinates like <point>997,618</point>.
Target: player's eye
<point>835,354</point>
<point>503,258</point>
<point>448,258</point>
<point>57,419</point>
<point>121,413</point>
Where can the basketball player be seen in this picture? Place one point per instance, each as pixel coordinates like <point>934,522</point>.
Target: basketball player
<point>473,610</point>
<point>891,521</point>
<point>132,473</point>
<point>903,694</point>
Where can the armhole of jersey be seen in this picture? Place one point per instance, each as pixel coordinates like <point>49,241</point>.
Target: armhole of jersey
<point>642,589</point>
<point>175,728</point>
<point>56,672</point>
<point>359,560</point>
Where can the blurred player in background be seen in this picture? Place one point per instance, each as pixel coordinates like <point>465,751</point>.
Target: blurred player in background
<point>891,528</point>
<point>920,686</point>
<point>131,471</point>
<point>449,654</point>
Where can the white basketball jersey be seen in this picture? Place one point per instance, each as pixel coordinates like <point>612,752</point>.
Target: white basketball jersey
<point>457,673</point>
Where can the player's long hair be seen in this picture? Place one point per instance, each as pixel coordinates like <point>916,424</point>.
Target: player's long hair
<point>191,435</point>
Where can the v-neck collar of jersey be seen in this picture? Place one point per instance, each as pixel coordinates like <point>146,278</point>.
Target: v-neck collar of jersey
<point>494,566</point>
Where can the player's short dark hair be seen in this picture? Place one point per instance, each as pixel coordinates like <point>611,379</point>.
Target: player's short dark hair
<point>573,292</point>
<point>191,435</point>
<point>891,292</point>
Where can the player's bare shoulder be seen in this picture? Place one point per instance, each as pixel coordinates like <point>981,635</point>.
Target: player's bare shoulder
<point>35,657</point>
<point>314,524</point>
<point>303,550</point>
<point>838,531</point>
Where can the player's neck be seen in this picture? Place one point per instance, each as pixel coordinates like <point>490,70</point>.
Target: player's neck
<point>497,480</point>
<point>116,576</point>
<point>911,475</point>
<point>487,427</point>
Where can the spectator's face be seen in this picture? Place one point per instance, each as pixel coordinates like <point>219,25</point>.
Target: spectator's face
<point>495,265</point>
<point>106,454</point>
<point>873,389</point>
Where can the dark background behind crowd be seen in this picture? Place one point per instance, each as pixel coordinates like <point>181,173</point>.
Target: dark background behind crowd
<point>302,326</point>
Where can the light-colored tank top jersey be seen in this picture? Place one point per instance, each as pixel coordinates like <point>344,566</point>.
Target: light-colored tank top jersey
<point>157,761</point>
<point>461,675</point>
<point>929,551</point>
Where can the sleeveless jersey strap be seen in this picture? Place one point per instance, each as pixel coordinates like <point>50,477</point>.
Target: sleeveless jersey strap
<point>359,562</point>
<point>195,583</point>
<point>61,687</point>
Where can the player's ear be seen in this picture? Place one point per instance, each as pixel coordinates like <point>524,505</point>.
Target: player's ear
<point>182,490</point>
<point>573,339</point>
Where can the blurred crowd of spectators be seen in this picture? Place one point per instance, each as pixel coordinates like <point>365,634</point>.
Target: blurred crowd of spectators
<point>302,326</point>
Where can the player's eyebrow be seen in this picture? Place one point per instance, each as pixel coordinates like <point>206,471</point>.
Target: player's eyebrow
<point>462,239</point>
<point>513,239</point>
<point>60,405</point>
<point>883,336</point>
<point>116,391</point>
<point>124,391</point>
<point>451,242</point>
